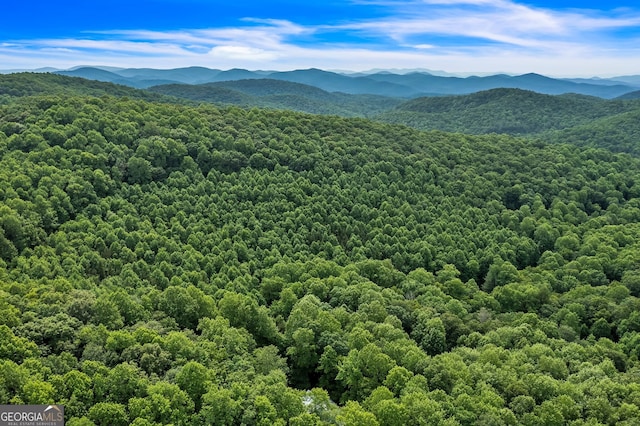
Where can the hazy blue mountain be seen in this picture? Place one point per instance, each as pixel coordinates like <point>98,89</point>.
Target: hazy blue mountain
<point>427,83</point>
<point>385,83</point>
<point>237,74</point>
<point>98,74</point>
<point>190,75</point>
<point>270,86</point>
<point>334,82</point>
<point>552,86</point>
<point>92,73</point>
<point>629,79</point>
<point>145,77</point>
<point>405,71</point>
<point>38,70</point>
<point>598,80</point>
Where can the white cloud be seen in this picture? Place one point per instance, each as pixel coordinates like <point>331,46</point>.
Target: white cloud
<point>114,46</point>
<point>244,53</point>
<point>497,21</point>
<point>423,46</point>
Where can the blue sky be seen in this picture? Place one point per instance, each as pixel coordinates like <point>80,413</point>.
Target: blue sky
<point>559,38</point>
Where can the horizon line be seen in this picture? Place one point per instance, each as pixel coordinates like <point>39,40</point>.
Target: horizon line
<point>397,71</point>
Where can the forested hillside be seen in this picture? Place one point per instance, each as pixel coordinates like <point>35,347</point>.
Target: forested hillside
<point>28,84</point>
<point>169,264</point>
<point>512,111</point>
<point>277,94</point>
<point>617,133</point>
<point>630,95</point>
<point>577,119</point>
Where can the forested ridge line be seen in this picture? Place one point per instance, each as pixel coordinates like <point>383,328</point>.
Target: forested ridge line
<point>18,85</point>
<point>617,133</point>
<point>511,111</point>
<point>569,118</point>
<point>277,94</point>
<point>168,264</point>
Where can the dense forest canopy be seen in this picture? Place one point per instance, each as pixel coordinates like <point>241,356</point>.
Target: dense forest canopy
<point>29,84</point>
<point>578,119</point>
<point>617,133</point>
<point>278,94</point>
<point>173,264</point>
<point>512,111</point>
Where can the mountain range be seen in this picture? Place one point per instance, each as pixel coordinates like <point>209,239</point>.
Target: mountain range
<point>384,83</point>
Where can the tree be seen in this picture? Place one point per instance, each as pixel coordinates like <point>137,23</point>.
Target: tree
<point>193,379</point>
<point>500,273</point>
<point>15,348</point>
<point>242,311</point>
<point>267,359</point>
<point>354,415</point>
<point>430,334</point>
<point>306,419</point>
<point>186,305</point>
<point>139,170</point>
<point>108,414</point>
<point>36,391</point>
<point>392,413</point>
<point>76,392</point>
<point>123,382</point>
<point>219,408</point>
<point>165,404</point>
<point>363,370</point>
<point>303,349</point>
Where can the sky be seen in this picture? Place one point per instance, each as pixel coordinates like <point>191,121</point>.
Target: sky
<point>557,38</point>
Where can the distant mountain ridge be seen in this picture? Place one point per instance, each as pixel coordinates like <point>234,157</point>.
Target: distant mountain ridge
<point>534,82</point>
<point>385,83</point>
